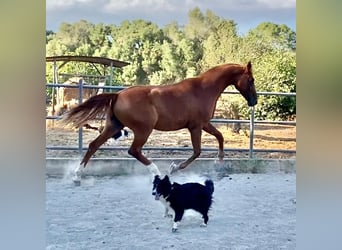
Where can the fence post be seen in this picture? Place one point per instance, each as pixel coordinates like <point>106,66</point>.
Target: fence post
<point>80,130</point>
<point>53,91</point>
<point>251,133</point>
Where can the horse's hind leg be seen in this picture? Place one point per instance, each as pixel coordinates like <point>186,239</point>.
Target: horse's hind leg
<point>209,128</point>
<point>108,131</point>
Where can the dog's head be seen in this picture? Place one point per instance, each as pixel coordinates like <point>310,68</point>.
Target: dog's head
<point>161,187</point>
<point>155,184</point>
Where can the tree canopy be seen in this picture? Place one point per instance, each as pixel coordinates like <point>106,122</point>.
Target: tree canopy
<point>164,55</point>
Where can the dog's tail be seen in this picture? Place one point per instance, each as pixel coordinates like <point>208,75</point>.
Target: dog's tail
<point>209,185</point>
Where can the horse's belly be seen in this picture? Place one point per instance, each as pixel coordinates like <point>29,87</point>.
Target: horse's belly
<point>169,125</point>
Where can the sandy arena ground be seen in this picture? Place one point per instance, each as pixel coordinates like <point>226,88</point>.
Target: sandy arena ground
<point>250,211</point>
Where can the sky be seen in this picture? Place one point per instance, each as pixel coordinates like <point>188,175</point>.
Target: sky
<point>247,14</point>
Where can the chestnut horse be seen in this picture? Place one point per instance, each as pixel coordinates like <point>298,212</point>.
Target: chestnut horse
<point>189,104</point>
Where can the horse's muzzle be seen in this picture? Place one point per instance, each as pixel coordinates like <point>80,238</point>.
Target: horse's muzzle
<point>252,102</point>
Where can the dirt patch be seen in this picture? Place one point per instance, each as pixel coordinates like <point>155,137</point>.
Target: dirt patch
<point>265,137</point>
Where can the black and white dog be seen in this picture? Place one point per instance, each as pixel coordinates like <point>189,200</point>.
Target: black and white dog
<point>181,197</point>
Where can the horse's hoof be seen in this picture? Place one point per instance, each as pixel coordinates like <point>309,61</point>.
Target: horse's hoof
<point>218,162</point>
<point>174,230</point>
<point>77,183</point>
<point>76,180</point>
<point>173,168</point>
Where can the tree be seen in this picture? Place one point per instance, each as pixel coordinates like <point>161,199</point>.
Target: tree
<point>49,34</point>
<point>137,42</point>
<point>98,36</point>
<point>196,27</point>
<point>221,45</point>
<point>281,36</point>
<point>173,32</point>
<point>162,56</point>
<point>274,67</point>
<point>277,73</point>
<point>74,35</point>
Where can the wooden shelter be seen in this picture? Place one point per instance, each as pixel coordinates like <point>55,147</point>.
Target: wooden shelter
<point>63,94</point>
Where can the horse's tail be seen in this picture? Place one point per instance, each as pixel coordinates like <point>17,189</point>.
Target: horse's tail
<point>209,185</point>
<point>90,109</point>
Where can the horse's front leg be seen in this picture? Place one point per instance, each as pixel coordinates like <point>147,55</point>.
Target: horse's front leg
<point>196,134</point>
<point>140,138</point>
<point>209,128</point>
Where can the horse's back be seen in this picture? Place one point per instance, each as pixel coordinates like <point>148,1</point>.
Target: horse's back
<point>167,107</point>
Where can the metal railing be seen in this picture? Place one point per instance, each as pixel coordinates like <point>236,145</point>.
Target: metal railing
<point>251,122</point>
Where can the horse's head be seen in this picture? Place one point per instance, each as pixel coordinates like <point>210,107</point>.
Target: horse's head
<point>245,85</point>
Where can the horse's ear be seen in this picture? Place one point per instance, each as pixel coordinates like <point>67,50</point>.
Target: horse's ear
<point>249,66</point>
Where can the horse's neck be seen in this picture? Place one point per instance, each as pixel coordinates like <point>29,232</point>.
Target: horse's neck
<point>220,78</point>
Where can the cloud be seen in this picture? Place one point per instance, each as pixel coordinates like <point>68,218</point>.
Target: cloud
<point>138,5</point>
<point>247,13</point>
<point>277,4</point>
<point>244,5</point>
<point>55,5</point>
<point>179,5</point>
<point>113,6</point>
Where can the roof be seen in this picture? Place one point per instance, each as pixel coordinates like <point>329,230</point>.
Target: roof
<point>100,60</point>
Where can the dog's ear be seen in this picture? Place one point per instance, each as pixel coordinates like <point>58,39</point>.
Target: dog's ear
<point>166,177</point>
<point>156,179</point>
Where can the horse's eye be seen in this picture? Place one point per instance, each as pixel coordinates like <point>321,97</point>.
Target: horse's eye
<point>251,81</point>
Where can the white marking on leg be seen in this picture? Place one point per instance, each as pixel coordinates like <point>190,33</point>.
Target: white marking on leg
<point>167,207</point>
<point>175,226</point>
<point>203,224</point>
<point>78,170</point>
<point>166,211</point>
<point>154,170</point>
<point>173,168</point>
<point>77,174</point>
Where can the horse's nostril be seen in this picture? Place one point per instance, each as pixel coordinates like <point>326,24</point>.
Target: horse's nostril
<point>252,102</point>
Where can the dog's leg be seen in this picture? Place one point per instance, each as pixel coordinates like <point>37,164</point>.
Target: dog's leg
<point>175,227</point>
<point>166,213</point>
<point>205,218</point>
<point>167,207</point>
<point>178,218</point>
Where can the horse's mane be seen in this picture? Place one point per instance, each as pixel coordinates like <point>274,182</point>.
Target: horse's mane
<point>217,68</point>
